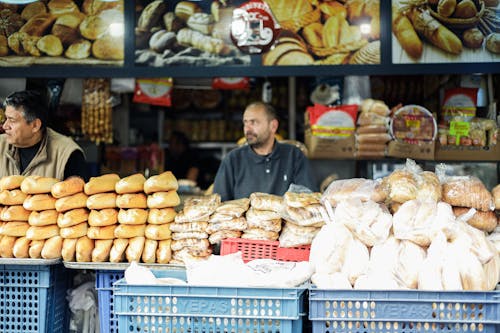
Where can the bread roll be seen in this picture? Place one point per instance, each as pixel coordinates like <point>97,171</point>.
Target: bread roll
<point>92,7</point>
<point>71,185</point>
<point>161,216</point>
<point>495,192</point>
<point>21,248</point>
<point>37,184</point>
<point>33,9</point>
<point>52,248</point>
<point>78,50</point>
<point>467,192</point>
<point>184,9</point>
<point>164,252</point>
<point>93,27</point>
<point>163,182</point>
<point>38,25</point>
<point>11,182</point>
<point>129,231</point>
<point>12,197</point>
<point>103,217</point>
<point>40,202</point>
<point>109,47</point>
<point>68,249</point>
<point>117,253</point>
<point>133,216</point>
<point>446,7</point>
<point>66,28</point>
<point>131,184</point>
<point>101,184</point>
<point>72,217</point>
<point>131,200</point>
<point>149,252</point>
<point>486,221</point>
<point>15,229</point>
<point>78,200</point>
<point>106,232</point>
<point>7,246</point>
<point>61,7</point>
<point>14,213</point>
<point>51,45</point>
<point>102,247</point>
<point>84,247</point>
<point>35,250</point>
<point>151,15</point>
<point>75,231</point>
<point>134,249</point>
<point>42,233</point>
<point>102,200</point>
<point>45,217</point>
<point>163,199</point>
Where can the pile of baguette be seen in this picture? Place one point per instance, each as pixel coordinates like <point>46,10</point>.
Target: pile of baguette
<point>62,28</point>
<point>449,25</point>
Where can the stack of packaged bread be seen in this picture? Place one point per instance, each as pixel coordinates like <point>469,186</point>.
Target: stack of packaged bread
<point>372,132</point>
<point>228,220</point>
<point>263,217</point>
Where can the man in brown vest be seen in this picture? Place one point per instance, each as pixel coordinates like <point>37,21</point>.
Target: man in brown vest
<point>28,147</point>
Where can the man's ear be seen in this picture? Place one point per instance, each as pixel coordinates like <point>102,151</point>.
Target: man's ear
<point>274,125</point>
<point>36,125</point>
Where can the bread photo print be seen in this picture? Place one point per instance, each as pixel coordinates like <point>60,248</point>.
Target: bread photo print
<point>62,32</point>
<point>438,31</point>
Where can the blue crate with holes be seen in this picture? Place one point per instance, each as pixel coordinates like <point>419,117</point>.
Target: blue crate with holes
<point>104,285</point>
<point>186,308</point>
<point>33,298</point>
<point>398,311</point>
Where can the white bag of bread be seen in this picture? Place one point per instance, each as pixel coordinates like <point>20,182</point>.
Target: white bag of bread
<point>218,236</point>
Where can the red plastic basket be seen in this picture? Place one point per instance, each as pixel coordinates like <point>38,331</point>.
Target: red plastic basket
<point>260,249</point>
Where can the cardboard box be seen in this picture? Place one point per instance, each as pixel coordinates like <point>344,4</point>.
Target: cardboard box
<point>423,151</point>
<point>329,148</point>
<point>467,153</point>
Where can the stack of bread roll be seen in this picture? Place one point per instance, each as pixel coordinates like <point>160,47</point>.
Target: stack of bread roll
<point>162,198</point>
<point>13,217</point>
<point>42,233</point>
<point>228,221</point>
<point>71,206</point>
<point>189,235</point>
<point>372,131</point>
<point>103,218</point>
<point>132,216</point>
<point>263,217</point>
<point>304,216</point>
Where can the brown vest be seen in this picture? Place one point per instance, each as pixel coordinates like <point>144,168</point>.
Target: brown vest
<point>49,161</point>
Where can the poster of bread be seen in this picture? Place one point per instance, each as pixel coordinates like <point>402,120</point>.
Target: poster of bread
<point>61,32</point>
<point>186,33</point>
<point>325,32</point>
<point>445,31</point>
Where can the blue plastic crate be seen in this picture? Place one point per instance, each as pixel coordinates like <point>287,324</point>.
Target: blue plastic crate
<point>398,311</point>
<point>104,285</point>
<point>169,308</point>
<point>33,298</point>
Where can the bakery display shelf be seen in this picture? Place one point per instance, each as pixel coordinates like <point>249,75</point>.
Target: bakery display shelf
<point>29,261</point>
<point>121,266</point>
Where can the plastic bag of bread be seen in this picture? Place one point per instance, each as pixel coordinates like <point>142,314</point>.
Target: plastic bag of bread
<point>485,221</point>
<point>219,217</point>
<point>356,261</point>
<point>311,215</point>
<point>218,236</point>
<point>200,206</point>
<point>428,186</point>
<point>369,221</point>
<point>201,216</point>
<point>264,201</point>
<point>193,243</point>
<point>260,234</point>
<point>189,235</point>
<point>188,226</point>
<point>361,188</point>
<point>467,191</point>
<point>402,186</point>
<point>263,219</point>
<point>301,200</point>
<point>237,224</point>
<point>293,235</point>
<point>495,192</point>
<point>233,208</point>
<point>410,259</point>
<point>414,221</point>
<point>335,280</point>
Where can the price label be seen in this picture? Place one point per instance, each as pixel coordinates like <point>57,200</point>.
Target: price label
<point>458,129</point>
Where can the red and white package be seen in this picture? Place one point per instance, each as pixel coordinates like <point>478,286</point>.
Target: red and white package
<point>155,91</point>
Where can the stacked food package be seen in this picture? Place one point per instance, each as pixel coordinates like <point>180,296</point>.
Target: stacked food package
<point>372,131</point>
<point>425,243</point>
<point>189,234</point>
<point>263,217</point>
<point>228,221</point>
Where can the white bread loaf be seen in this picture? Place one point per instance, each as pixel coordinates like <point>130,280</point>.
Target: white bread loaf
<point>36,247</point>
<point>101,250</point>
<point>102,200</point>
<point>106,232</point>
<point>40,202</point>
<point>131,200</point>
<point>131,184</point>
<point>164,252</point>
<point>149,252</point>
<point>14,213</point>
<point>84,247</point>
<point>161,216</point>
<point>12,197</point>
<point>129,231</point>
<point>74,201</point>
<point>132,216</point>
<point>158,231</point>
<point>101,184</point>
<point>72,217</point>
<point>163,182</point>
<point>135,248</point>
<point>45,217</point>
<point>75,231</point>
<point>163,199</point>
<point>103,217</point>
<point>52,248</point>
<point>42,233</point>
<point>11,182</point>
<point>38,184</point>
<point>69,249</point>
<point>15,229</point>
<point>117,253</point>
<point>21,248</point>
<point>69,186</point>
<point>7,246</point>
